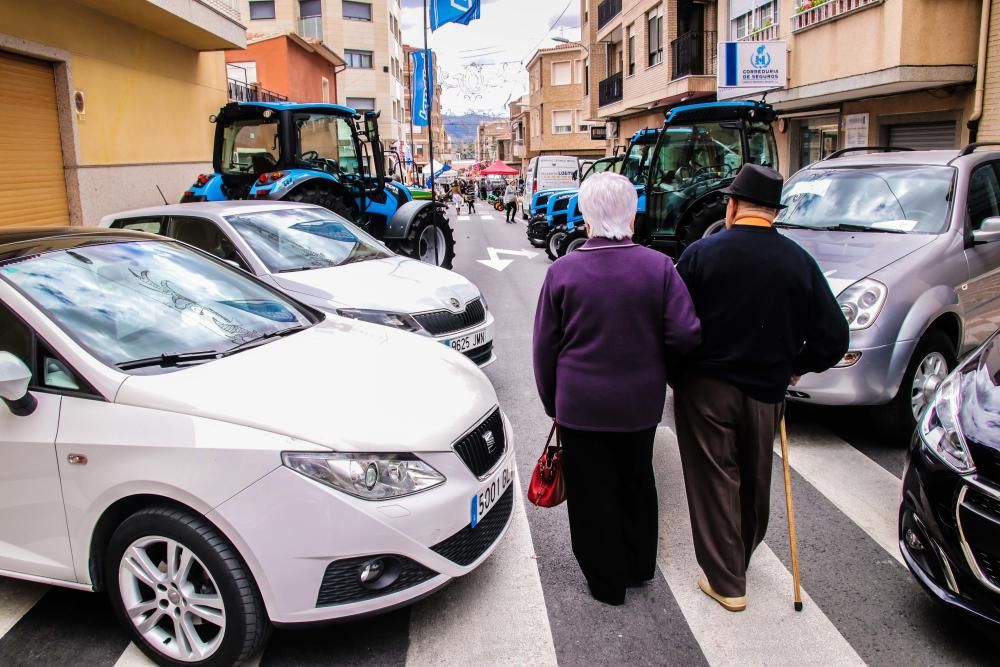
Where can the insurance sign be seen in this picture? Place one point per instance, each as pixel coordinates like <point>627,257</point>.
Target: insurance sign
<point>748,67</point>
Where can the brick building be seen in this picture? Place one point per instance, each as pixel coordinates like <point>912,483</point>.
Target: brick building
<point>285,67</point>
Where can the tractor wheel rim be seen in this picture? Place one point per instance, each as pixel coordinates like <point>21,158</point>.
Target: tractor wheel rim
<point>931,372</point>
<point>554,242</point>
<point>172,599</point>
<point>431,245</point>
<point>575,245</point>
<point>714,228</point>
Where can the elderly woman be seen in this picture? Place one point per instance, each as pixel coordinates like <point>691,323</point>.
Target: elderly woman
<point>611,318</point>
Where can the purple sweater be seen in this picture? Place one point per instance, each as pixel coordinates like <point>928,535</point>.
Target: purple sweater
<point>611,317</point>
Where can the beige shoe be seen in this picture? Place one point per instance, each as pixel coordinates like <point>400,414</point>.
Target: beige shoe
<point>729,604</point>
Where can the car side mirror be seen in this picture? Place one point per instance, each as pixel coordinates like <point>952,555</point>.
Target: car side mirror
<point>14,380</point>
<point>988,232</point>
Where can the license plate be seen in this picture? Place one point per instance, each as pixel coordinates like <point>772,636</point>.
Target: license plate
<point>490,493</point>
<point>470,342</point>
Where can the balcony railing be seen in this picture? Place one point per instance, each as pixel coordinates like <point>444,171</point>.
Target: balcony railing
<point>765,33</point>
<point>693,53</point>
<point>251,92</point>
<point>230,8</point>
<point>809,13</point>
<point>607,10</point>
<point>609,91</point>
<point>311,27</point>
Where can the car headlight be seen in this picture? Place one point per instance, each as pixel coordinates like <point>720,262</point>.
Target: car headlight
<point>482,297</point>
<point>383,317</point>
<point>366,476</point>
<point>940,430</point>
<point>862,302</point>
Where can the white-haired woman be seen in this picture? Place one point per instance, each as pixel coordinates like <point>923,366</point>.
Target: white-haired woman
<point>611,318</point>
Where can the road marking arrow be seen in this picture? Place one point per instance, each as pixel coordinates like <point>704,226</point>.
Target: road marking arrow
<point>494,262</point>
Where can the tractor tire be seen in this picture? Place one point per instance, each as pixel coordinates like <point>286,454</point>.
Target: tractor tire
<point>431,240</point>
<point>498,206</point>
<point>572,241</point>
<point>705,221</point>
<point>553,243</point>
<point>313,193</point>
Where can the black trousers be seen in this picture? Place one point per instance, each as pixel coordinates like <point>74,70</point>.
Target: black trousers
<point>471,203</point>
<point>611,497</point>
<point>726,443</point>
<point>511,208</point>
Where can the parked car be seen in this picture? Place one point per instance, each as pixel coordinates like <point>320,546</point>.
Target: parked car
<point>549,172</point>
<point>908,242</point>
<point>216,455</point>
<point>322,259</point>
<point>949,518</point>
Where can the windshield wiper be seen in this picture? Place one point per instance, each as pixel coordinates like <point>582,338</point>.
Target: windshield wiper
<point>172,359</point>
<point>847,227</point>
<point>260,340</point>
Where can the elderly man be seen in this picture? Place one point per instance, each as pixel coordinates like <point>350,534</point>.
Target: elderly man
<point>767,316</point>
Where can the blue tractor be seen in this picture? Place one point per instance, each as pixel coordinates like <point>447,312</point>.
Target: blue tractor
<point>324,154</point>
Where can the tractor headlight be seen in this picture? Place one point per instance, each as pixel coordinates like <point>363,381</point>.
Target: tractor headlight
<point>399,321</point>
<point>862,302</point>
<point>940,429</point>
<point>366,476</point>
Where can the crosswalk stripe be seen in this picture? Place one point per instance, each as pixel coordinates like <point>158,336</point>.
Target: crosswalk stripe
<point>463,217</point>
<point>471,621</point>
<point>769,631</point>
<point>16,599</point>
<point>860,488</point>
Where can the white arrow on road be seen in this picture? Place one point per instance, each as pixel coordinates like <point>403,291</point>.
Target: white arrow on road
<point>494,262</point>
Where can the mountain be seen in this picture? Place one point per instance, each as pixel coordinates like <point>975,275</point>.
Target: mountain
<point>462,127</point>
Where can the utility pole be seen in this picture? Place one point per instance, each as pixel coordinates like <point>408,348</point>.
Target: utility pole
<point>430,104</point>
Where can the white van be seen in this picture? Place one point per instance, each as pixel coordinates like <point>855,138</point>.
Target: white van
<point>549,172</point>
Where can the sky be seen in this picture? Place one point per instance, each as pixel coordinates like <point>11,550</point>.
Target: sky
<point>483,63</point>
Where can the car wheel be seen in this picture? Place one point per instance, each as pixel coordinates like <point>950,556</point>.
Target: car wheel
<point>553,242</point>
<point>182,591</point>
<point>932,360</point>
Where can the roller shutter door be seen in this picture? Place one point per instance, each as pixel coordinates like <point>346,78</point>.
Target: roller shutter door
<point>924,136</point>
<point>32,184</point>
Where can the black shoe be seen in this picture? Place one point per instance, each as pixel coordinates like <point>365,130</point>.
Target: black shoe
<point>613,599</point>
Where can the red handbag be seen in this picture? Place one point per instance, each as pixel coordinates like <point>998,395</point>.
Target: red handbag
<point>548,487</point>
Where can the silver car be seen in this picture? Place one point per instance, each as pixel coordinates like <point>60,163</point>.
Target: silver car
<point>909,244</point>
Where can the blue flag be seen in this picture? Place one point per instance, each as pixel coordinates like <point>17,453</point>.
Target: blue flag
<point>423,82</point>
<point>453,11</point>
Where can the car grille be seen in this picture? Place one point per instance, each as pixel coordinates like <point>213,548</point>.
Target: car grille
<point>444,321</point>
<point>987,462</point>
<point>341,585</point>
<point>989,565</point>
<point>984,503</point>
<point>468,544</point>
<point>481,354</point>
<point>474,449</point>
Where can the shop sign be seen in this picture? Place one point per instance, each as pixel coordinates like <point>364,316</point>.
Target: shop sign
<point>598,132</point>
<point>855,130</point>
<point>746,67</point>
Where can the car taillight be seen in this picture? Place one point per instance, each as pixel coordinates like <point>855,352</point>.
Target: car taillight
<point>270,178</point>
<point>203,179</point>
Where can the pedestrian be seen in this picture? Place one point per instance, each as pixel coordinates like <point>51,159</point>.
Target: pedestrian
<point>610,320</point>
<point>767,316</point>
<point>510,202</point>
<point>456,199</point>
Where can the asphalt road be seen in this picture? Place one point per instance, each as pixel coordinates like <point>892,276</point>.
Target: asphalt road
<point>528,604</point>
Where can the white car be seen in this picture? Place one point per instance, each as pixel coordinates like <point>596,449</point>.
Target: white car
<point>216,455</point>
<point>329,263</point>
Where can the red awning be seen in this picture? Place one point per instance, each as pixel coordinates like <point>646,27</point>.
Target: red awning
<point>499,168</point>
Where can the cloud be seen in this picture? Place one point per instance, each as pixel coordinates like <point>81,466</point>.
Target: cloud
<point>483,63</point>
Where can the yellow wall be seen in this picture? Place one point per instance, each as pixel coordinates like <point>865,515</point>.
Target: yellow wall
<point>148,98</point>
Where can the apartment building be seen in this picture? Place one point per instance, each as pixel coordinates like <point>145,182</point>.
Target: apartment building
<point>520,130</point>
<point>103,102</point>
<point>368,36</point>
<point>283,67</point>
<point>493,141</point>
<point>644,57</point>
<point>558,120</point>
<point>866,72</point>
<point>416,136</point>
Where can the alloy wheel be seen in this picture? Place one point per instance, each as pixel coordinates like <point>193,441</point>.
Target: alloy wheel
<point>172,599</point>
<point>430,245</point>
<point>930,373</point>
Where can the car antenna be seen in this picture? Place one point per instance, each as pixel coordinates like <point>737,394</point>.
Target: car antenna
<point>165,202</point>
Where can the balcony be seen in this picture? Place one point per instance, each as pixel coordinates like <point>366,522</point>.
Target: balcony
<point>203,25</point>
<point>311,27</point>
<point>607,10</point>
<point>609,91</point>
<point>693,54</point>
<point>811,13</point>
<point>251,92</point>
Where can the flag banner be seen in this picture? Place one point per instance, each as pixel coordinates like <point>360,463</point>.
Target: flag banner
<point>423,82</point>
<point>453,11</point>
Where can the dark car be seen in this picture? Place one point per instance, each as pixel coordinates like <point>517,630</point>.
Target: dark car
<point>949,519</point>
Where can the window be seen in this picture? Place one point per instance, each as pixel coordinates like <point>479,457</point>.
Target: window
<point>250,146</point>
<point>420,150</point>
<point>325,82</point>
<point>984,195</point>
<point>15,336</point>
<point>358,59</point>
<point>562,122</point>
<point>204,235</point>
<point>356,11</point>
<point>562,73</point>
<point>631,50</point>
<point>261,9</point>
<point>308,8</point>
<point>582,125</point>
<point>747,19</point>
<point>654,23</point>
<point>586,76</point>
<point>47,370</point>
<point>697,154</point>
<point>361,103</point>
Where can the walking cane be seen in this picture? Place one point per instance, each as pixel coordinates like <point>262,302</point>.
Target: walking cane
<point>791,515</point>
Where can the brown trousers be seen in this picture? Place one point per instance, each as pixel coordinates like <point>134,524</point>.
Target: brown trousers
<point>726,444</point>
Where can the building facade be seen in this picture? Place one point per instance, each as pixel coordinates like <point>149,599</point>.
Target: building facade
<point>559,122</point>
<point>416,136</point>
<point>367,35</point>
<point>106,102</point>
<point>520,130</point>
<point>644,57</point>
<point>493,141</point>
<point>283,67</point>
<point>866,72</point>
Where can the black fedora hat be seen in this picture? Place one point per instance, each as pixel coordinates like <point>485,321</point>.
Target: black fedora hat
<point>757,185</point>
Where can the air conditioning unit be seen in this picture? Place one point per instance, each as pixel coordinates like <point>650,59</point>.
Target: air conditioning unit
<point>611,128</point>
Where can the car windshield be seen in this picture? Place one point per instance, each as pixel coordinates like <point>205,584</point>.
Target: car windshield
<point>298,239</point>
<point>132,301</point>
<point>250,146</point>
<point>326,142</point>
<point>636,162</point>
<point>907,199</point>
<point>697,155</point>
